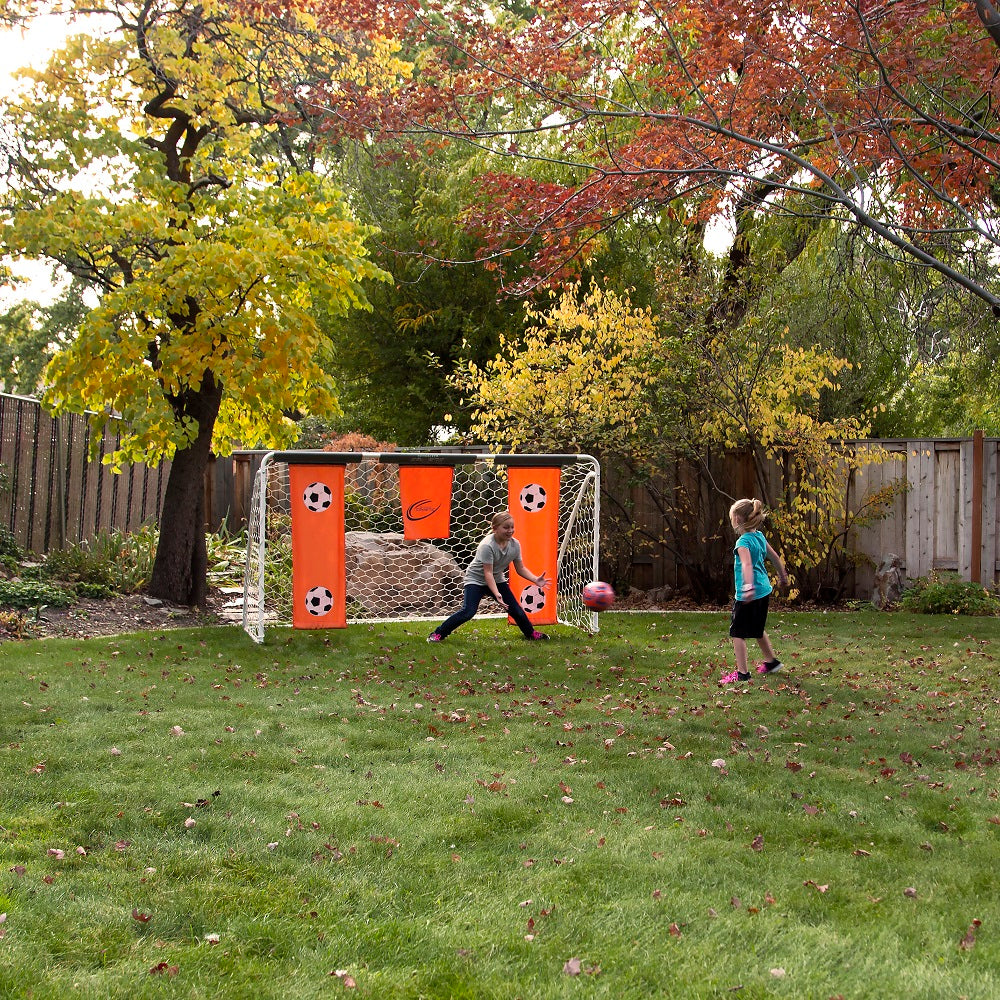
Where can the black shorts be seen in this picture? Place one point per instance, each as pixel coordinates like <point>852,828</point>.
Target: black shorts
<point>749,618</point>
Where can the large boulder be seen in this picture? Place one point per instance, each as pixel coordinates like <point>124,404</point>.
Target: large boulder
<point>890,582</point>
<point>388,576</point>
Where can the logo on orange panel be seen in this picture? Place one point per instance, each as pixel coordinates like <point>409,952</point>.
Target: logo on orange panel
<point>421,510</point>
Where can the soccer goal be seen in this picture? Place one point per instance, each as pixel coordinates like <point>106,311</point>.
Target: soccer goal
<point>389,535</point>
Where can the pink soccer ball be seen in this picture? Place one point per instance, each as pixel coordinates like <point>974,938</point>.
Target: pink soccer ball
<point>598,596</point>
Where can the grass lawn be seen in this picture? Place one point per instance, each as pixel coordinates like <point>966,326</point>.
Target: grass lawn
<point>186,814</point>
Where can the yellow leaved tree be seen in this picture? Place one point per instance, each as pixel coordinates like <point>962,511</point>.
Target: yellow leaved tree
<point>162,158</point>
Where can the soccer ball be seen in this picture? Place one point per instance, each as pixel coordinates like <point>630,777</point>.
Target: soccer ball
<point>317,497</point>
<point>598,596</point>
<point>319,601</point>
<point>532,599</point>
<point>532,497</point>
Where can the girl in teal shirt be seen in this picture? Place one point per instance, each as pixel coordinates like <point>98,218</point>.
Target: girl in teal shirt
<point>753,589</point>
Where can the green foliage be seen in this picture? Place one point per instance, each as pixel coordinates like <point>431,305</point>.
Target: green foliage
<point>113,562</point>
<point>30,335</point>
<point>441,308</point>
<point>34,594</point>
<point>226,557</point>
<point>948,594</point>
<point>8,543</point>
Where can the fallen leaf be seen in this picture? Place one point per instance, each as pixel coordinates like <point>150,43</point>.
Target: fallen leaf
<point>55,852</point>
<point>674,930</point>
<point>969,940</point>
<point>910,892</point>
<point>143,918</point>
<point>572,967</point>
<point>757,844</point>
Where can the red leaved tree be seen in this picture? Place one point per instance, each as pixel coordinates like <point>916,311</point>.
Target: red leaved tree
<point>880,113</point>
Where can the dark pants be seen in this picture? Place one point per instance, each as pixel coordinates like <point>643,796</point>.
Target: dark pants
<point>749,618</point>
<point>473,594</point>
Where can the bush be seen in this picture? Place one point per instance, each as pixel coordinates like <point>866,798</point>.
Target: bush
<point>9,549</point>
<point>949,594</point>
<point>111,563</point>
<point>33,594</point>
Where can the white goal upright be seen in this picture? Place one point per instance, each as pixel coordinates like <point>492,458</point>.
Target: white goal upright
<point>392,576</point>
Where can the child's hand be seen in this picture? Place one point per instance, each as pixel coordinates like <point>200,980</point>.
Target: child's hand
<point>543,582</point>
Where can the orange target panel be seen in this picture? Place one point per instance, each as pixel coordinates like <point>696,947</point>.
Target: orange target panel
<point>319,580</point>
<point>533,500</point>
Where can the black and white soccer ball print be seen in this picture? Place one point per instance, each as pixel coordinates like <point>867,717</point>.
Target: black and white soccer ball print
<point>319,601</point>
<point>532,599</point>
<point>532,497</point>
<point>317,497</point>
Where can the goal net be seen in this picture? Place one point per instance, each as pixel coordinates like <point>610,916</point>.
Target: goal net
<point>392,577</point>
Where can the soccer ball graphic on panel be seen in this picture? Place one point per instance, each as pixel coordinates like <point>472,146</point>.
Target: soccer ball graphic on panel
<point>317,497</point>
<point>532,599</point>
<point>532,498</point>
<point>319,601</point>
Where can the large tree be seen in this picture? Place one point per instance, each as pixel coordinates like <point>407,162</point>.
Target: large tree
<point>152,161</point>
<point>882,114</point>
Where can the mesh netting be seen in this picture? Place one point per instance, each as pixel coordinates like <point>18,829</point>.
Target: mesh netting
<point>390,578</point>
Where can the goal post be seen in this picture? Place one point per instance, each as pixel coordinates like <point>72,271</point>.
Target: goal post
<point>336,538</point>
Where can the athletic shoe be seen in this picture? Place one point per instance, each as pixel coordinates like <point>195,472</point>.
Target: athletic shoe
<point>536,636</point>
<point>734,677</point>
<point>435,637</point>
<point>771,667</point>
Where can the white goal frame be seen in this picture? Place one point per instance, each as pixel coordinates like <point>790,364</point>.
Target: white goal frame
<point>372,504</point>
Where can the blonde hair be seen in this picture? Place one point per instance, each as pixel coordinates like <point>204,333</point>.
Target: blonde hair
<point>748,514</point>
<point>500,515</point>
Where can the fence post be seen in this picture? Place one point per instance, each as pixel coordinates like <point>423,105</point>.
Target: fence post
<point>977,508</point>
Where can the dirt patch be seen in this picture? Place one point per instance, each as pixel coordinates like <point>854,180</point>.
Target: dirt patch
<point>90,617</point>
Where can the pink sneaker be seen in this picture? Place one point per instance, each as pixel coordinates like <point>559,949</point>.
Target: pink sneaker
<point>734,677</point>
<point>537,636</point>
<point>435,637</point>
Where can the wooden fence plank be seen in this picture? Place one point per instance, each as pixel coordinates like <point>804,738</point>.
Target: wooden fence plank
<point>991,512</point>
<point>947,506</point>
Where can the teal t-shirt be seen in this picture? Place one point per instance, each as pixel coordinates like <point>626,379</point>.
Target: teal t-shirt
<point>756,544</point>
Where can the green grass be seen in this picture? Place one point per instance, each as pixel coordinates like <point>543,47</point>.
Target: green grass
<point>464,820</point>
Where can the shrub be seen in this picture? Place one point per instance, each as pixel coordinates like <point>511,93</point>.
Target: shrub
<point>949,594</point>
<point>33,594</point>
<point>13,625</point>
<point>9,549</point>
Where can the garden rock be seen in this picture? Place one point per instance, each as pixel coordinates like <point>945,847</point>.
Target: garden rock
<point>890,582</point>
<point>389,575</point>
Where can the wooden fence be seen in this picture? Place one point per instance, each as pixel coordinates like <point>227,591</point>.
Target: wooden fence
<point>52,493</point>
<point>948,517</point>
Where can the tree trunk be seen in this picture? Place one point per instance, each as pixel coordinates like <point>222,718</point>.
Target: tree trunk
<point>181,564</point>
